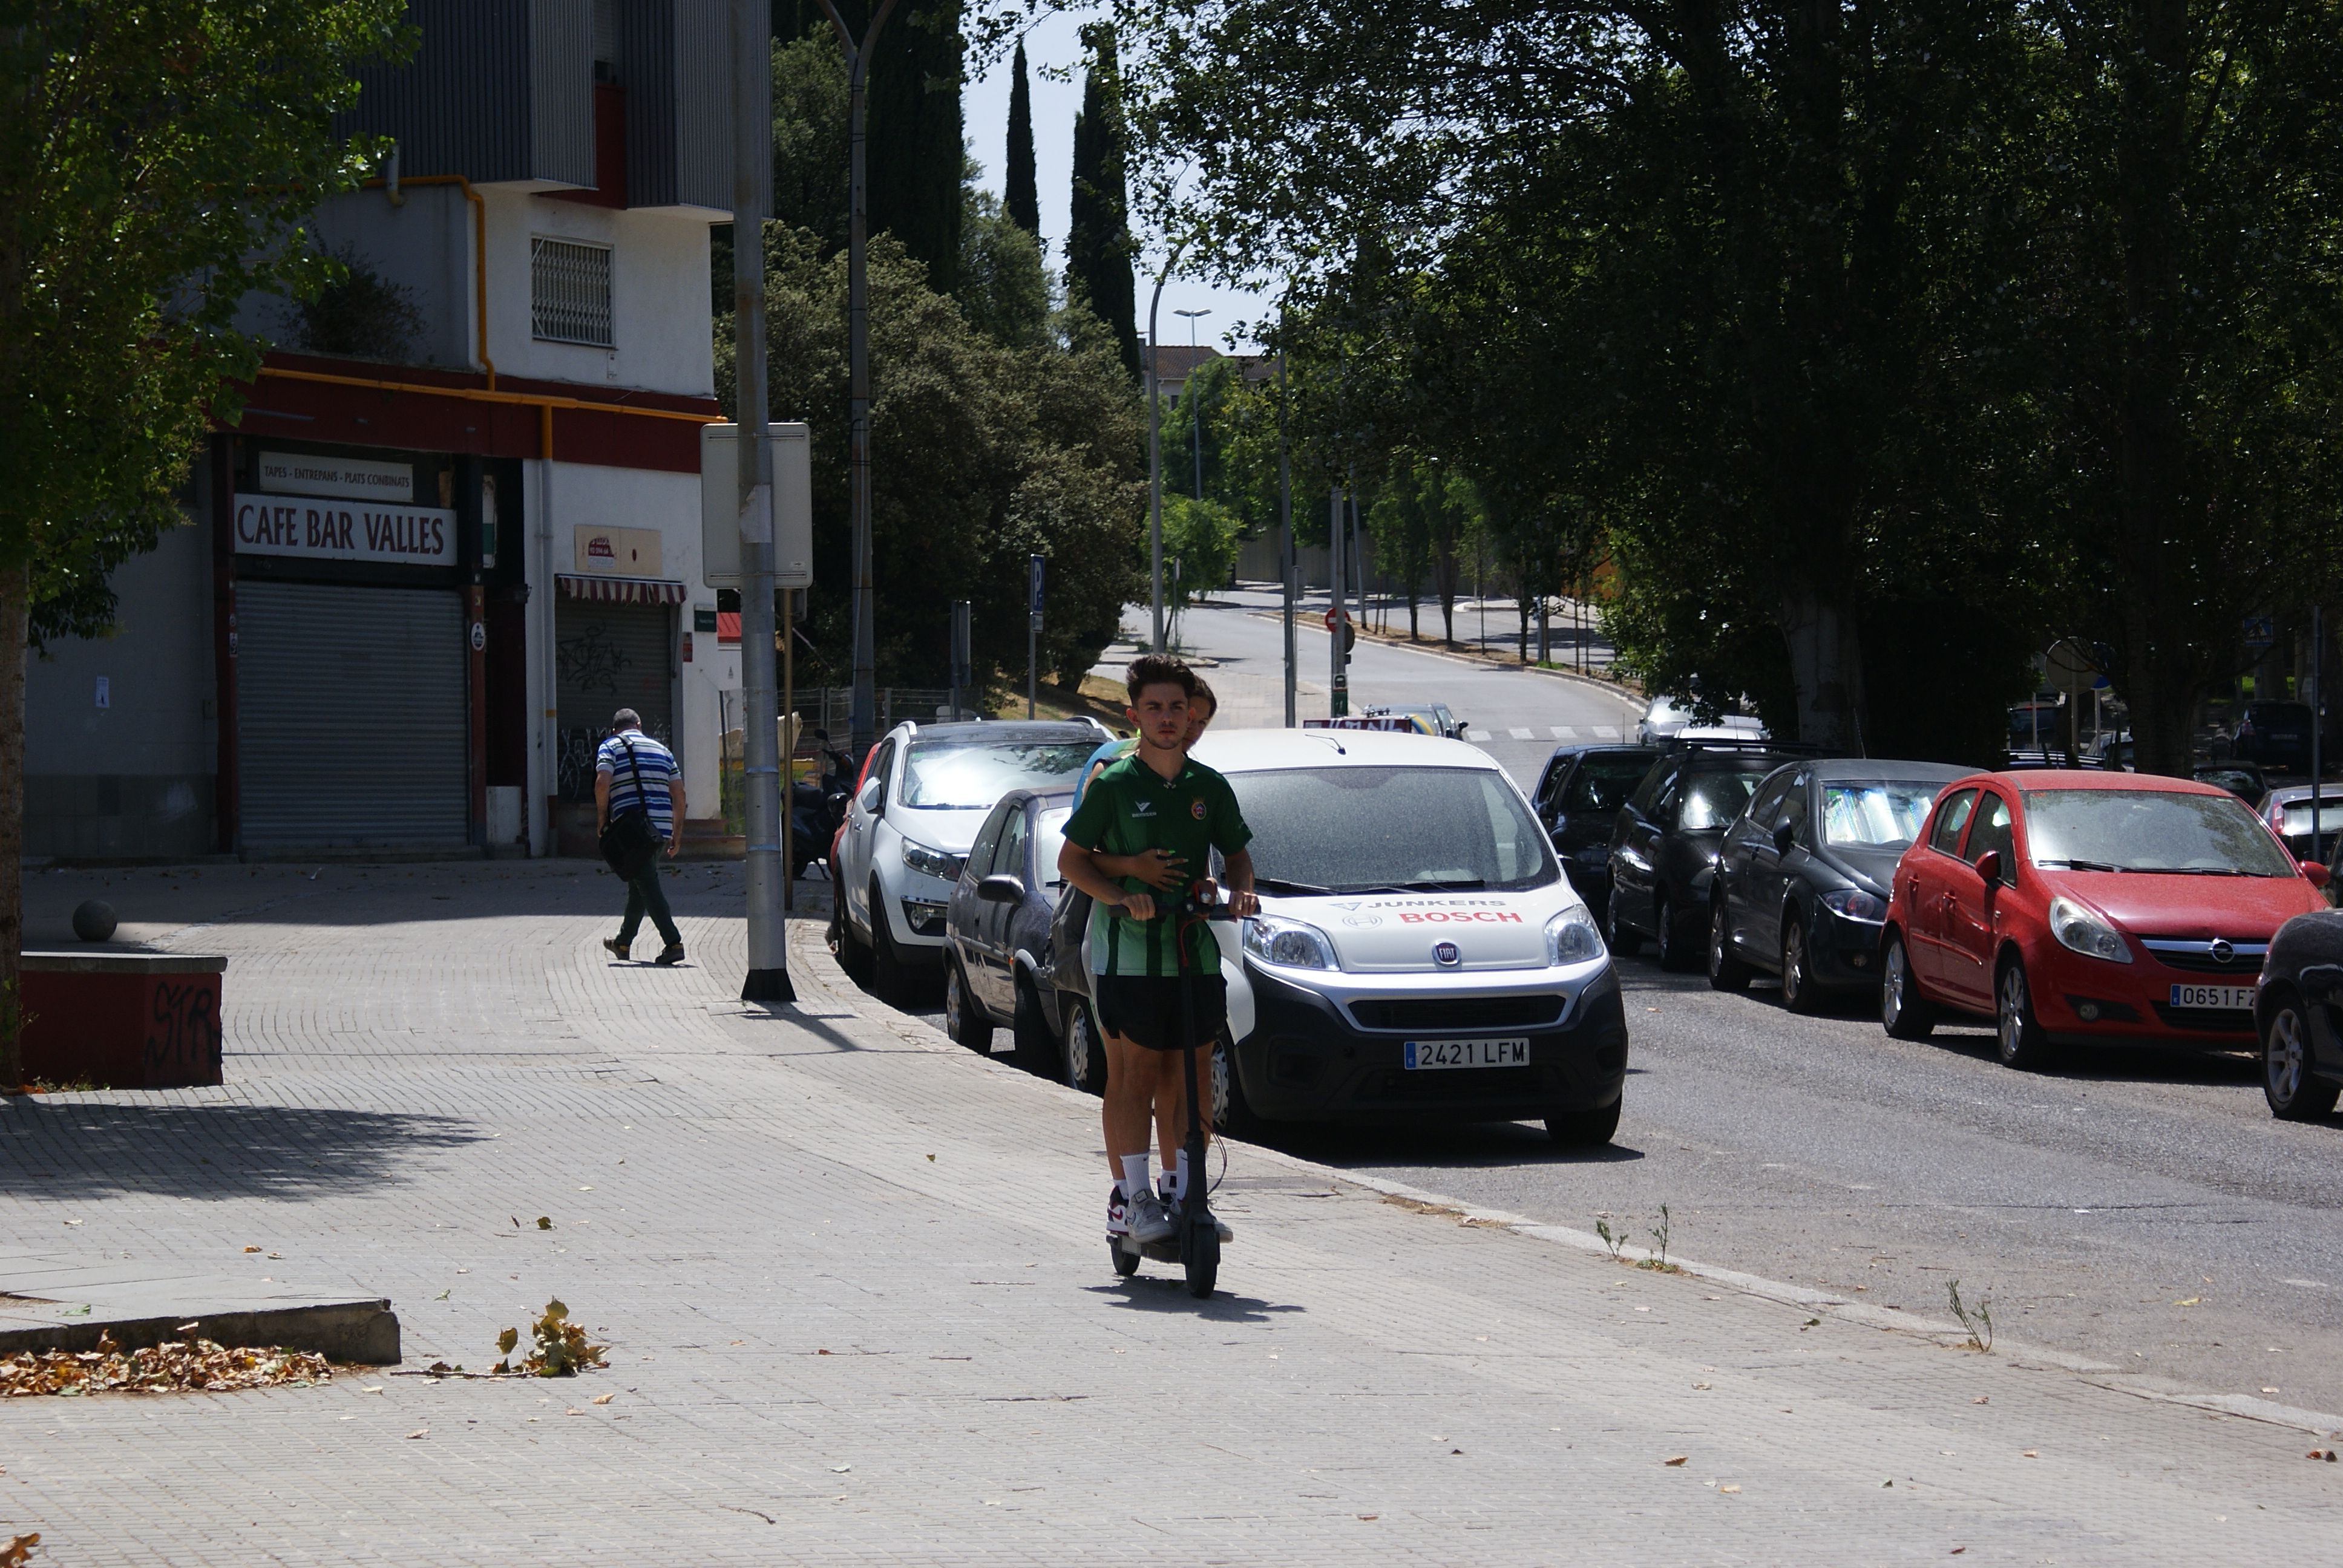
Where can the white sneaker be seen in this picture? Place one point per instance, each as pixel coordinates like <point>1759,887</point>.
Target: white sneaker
<point>1118,1223</point>
<point>1148,1220</point>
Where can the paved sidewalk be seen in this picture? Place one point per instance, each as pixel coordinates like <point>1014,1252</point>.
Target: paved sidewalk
<point>859,1312</point>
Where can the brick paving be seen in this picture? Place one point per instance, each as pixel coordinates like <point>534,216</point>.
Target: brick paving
<point>859,1309</point>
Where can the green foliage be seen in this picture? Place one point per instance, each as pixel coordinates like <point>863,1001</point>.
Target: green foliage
<point>983,452</point>
<point>1022,194</point>
<point>1002,289</point>
<point>1203,537</point>
<point>1872,347</point>
<point>359,314</point>
<point>1098,244</point>
<point>915,136</point>
<point>156,160</point>
<point>810,129</point>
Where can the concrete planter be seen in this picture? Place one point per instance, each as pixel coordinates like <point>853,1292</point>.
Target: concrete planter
<point>122,1021</point>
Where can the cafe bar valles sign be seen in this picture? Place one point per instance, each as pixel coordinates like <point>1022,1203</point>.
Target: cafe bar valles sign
<point>342,510</point>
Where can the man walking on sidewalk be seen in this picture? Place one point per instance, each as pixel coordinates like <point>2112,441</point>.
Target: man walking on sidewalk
<point>633,772</point>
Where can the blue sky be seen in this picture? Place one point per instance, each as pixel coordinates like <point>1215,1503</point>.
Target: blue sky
<point>1054,41</point>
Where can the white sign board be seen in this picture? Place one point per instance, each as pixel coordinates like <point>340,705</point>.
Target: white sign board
<point>349,478</point>
<point>332,531</point>
<point>719,506</point>
<point>616,552</point>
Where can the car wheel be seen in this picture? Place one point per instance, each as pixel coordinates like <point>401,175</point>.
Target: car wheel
<point>2294,1095</point>
<point>1904,1012</point>
<point>2018,1035</point>
<point>1584,1128</point>
<point>1085,1053</point>
<point>1616,937</point>
<point>891,977</point>
<point>1798,991</point>
<point>1726,969</point>
<point>1028,1029</point>
<point>965,1016</point>
<point>1673,945</point>
<point>1232,1113</point>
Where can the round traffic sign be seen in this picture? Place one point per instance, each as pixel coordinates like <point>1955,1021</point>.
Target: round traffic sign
<point>1333,615</point>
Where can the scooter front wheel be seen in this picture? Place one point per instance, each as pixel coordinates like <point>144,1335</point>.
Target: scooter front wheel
<point>1126,1262</point>
<point>1203,1262</point>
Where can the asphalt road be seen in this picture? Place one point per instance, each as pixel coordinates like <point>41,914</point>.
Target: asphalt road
<point>2140,1207</point>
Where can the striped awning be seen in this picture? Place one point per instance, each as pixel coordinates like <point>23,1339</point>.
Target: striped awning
<point>621,590</point>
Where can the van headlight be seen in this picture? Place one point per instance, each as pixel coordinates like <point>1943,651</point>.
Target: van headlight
<point>1289,944</point>
<point>934,862</point>
<point>1571,938</point>
<point>2084,930</point>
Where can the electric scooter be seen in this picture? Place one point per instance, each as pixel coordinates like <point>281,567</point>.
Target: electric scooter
<point>1196,1246</point>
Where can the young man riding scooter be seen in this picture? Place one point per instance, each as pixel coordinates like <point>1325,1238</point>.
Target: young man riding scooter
<point>1156,811</point>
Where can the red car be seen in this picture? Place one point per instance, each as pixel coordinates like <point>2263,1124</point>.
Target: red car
<point>2071,906</point>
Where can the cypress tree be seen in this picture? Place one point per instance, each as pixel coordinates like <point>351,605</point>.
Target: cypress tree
<point>1098,233</point>
<point>1024,199</point>
<point>917,162</point>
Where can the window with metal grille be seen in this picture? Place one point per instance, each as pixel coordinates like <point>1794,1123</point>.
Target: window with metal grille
<point>569,291</point>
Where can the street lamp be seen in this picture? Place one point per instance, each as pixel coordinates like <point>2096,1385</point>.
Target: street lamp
<point>1155,449</point>
<point>1195,404</point>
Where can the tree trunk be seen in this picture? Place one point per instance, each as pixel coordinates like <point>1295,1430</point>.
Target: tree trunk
<point>1826,667</point>
<point>15,605</point>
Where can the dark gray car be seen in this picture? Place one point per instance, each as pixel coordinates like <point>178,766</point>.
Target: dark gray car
<point>2295,1014</point>
<point>1803,873</point>
<point>997,959</point>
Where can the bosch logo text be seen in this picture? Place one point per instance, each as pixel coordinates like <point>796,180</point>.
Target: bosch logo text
<point>1457,917</point>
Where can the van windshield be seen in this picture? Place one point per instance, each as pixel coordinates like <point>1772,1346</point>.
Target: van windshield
<point>1352,829</point>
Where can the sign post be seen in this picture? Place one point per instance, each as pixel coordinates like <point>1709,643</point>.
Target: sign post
<point>963,657</point>
<point>1341,678</point>
<point>1034,640</point>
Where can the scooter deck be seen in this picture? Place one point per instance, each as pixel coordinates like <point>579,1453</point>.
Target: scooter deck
<point>1164,1251</point>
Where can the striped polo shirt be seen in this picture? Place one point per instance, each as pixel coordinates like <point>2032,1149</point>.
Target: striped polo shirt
<point>655,763</point>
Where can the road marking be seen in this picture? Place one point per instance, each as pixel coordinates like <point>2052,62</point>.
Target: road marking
<point>1564,733</point>
<point>1608,732</point>
<point>1519,733</point>
<point>1476,736</point>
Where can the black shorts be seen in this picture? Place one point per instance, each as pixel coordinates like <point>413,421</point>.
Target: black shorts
<point>1145,1009</point>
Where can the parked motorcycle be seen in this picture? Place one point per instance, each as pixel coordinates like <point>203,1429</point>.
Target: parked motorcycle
<point>818,810</point>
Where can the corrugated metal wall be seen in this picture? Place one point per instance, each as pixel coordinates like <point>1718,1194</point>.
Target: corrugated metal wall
<point>678,73</point>
<point>561,89</point>
<point>497,90</point>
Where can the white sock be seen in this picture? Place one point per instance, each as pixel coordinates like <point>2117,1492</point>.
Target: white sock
<point>1179,1175</point>
<point>1136,1181</point>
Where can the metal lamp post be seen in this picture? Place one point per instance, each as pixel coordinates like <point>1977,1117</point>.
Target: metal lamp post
<point>1195,404</point>
<point>1155,452</point>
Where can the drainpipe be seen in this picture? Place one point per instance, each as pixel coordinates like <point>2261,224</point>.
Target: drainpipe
<point>391,186</point>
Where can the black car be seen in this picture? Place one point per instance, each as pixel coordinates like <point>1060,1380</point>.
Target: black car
<point>2274,734</point>
<point>2246,780</point>
<point>1664,842</point>
<point>1803,876</point>
<point>997,929</point>
<point>2295,1014</point>
<point>1578,799</point>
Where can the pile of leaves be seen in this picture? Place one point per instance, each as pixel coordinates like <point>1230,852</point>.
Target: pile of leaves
<point>561,1346</point>
<point>177,1366</point>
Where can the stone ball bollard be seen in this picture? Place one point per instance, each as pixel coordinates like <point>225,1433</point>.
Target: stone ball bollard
<point>92,922</point>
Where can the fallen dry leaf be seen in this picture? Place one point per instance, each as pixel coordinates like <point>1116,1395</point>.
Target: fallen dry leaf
<point>1728,1488</point>
<point>2188,1301</point>
<point>545,1221</point>
<point>1701,1387</point>
<point>1980,1400</point>
<point>2029,1453</point>
<point>177,1365</point>
<point>1678,1459</point>
<point>573,1410</point>
<point>252,1249</point>
<point>420,1432</point>
<point>11,1554</point>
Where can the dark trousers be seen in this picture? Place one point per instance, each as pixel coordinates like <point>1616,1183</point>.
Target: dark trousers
<point>644,893</point>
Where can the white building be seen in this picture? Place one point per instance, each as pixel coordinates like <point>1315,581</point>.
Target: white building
<point>457,523</point>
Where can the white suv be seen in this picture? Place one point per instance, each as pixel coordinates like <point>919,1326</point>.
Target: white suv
<point>926,792</point>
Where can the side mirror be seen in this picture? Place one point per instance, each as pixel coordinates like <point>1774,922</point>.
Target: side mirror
<point>872,791</point>
<point>2314,874</point>
<point>1783,837</point>
<point>1558,822</point>
<point>1000,888</point>
<point>1989,865</point>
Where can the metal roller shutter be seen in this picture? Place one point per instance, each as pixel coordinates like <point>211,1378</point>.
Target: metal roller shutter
<point>350,717</point>
<point>607,656</point>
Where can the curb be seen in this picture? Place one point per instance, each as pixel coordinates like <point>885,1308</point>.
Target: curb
<point>364,1332</point>
<point>841,992</point>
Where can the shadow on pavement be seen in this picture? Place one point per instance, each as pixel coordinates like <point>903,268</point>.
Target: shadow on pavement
<point>69,1149</point>
<point>1479,1144</point>
<point>1169,1293</point>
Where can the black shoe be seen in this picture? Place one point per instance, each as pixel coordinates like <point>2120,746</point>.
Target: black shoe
<point>622,951</point>
<point>669,955</point>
